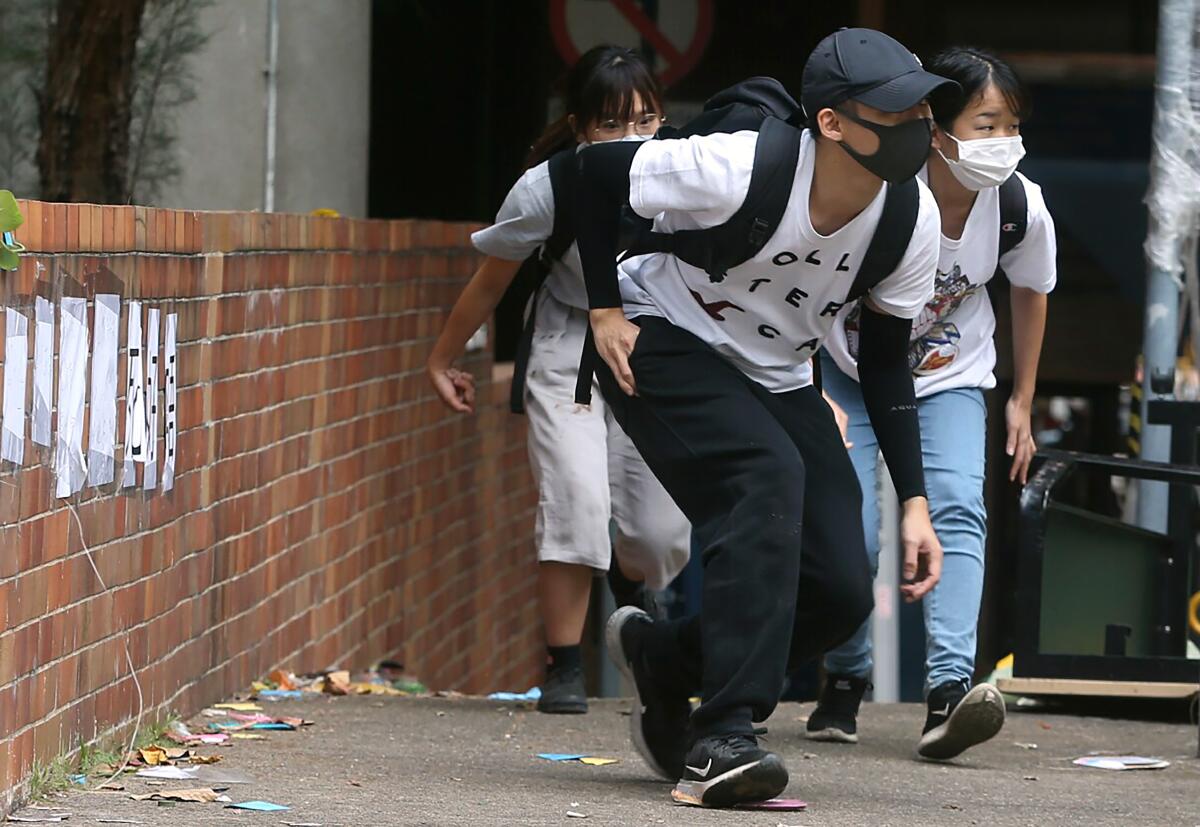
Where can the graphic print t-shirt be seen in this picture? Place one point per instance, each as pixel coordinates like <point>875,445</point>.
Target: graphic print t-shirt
<point>524,222</point>
<point>769,315</point>
<point>952,343</point>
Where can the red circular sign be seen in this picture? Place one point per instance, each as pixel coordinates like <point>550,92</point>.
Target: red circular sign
<point>679,61</point>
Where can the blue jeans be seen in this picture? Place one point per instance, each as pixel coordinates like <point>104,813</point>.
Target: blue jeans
<point>953,431</point>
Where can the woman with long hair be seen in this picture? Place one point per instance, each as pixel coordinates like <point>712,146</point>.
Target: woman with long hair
<point>994,223</point>
<point>586,469</point>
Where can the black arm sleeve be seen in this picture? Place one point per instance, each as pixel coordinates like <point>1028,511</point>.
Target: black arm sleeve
<point>891,402</point>
<point>601,191</point>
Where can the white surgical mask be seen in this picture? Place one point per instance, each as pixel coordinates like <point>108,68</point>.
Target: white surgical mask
<point>986,162</point>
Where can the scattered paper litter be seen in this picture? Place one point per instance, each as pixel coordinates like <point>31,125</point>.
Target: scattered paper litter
<point>574,814</point>
<point>1024,745</point>
<point>167,773</point>
<point>239,707</point>
<point>593,761</point>
<point>248,736</point>
<point>261,806</point>
<point>1121,762</point>
<point>200,795</point>
<point>561,756</point>
<point>46,819</point>
<point>300,824</point>
<point>153,755</point>
<point>119,821</point>
<point>792,804</point>
<point>280,695</point>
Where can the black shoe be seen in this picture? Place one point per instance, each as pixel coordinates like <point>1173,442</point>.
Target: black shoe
<point>959,719</point>
<point>727,770</point>
<point>563,692</point>
<point>627,592</point>
<point>836,716</point>
<point>659,723</point>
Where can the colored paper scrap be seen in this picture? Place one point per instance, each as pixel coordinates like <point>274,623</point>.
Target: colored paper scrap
<point>593,761</point>
<point>261,806</point>
<point>561,756</point>
<point>167,773</point>
<point>280,695</point>
<point>199,795</point>
<point>239,707</point>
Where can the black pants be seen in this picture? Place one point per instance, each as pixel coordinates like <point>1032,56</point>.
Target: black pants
<point>769,489</point>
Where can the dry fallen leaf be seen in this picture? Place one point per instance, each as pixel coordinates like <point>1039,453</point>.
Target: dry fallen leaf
<point>205,759</point>
<point>153,755</point>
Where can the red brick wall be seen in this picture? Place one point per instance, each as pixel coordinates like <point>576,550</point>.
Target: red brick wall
<point>327,509</point>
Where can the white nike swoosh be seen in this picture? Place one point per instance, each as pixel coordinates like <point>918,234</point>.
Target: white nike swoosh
<point>943,712</point>
<point>703,773</point>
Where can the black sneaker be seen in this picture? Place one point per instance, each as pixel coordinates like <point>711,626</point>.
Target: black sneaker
<point>659,723</point>
<point>836,716</point>
<point>627,592</point>
<point>959,719</point>
<point>727,770</point>
<point>563,692</point>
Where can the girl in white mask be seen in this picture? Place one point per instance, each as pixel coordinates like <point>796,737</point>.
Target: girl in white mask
<point>976,148</point>
<point>587,470</point>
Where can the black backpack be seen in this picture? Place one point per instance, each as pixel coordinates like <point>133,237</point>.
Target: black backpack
<point>1013,217</point>
<point>763,105</point>
<point>527,284</point>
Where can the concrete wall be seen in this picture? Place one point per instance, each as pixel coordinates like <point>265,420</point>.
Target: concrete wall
<point>324,77</point>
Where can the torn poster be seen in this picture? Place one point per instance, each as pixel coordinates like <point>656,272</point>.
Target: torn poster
<point>16,363</point>
<point>172,375</point>
<point>135,402</point>
<point>150,477</point>
<point>70,467</point>
<point>43,371</point>
<point>102,430</point>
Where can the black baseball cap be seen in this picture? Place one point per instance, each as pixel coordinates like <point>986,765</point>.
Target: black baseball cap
<point>866,66</point>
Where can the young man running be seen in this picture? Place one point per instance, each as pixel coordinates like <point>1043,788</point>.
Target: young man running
<point>710,377</point>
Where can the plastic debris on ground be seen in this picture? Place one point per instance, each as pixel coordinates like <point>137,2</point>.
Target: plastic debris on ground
<point>582,758</point>
<point>1121,762</point>
<point>282,695</point>
<point>77,779</point>
<point>1024,745</point>
<point>517,697</point>
<point>261,806</point>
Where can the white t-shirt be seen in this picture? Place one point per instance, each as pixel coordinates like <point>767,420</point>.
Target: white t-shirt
<point>770,314</point>
<point>952,343</point>
<point>524,222</point>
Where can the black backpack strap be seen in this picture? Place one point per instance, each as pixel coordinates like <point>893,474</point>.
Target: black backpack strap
<point>563,174</point>
<point>716,250</point>
<point>1014,218</point>
<point>892,234</point>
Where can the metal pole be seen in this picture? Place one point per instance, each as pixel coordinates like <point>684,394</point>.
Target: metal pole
<point>885,628</point>
<point>1176,27</point>
<point>272,103</point>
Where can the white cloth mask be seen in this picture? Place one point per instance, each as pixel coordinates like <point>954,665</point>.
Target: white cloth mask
<point>986,162</point>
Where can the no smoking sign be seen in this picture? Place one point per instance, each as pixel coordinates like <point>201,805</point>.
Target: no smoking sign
<point>676,30</point>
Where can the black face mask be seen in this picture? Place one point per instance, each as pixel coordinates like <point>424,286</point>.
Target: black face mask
<point>903,148</point>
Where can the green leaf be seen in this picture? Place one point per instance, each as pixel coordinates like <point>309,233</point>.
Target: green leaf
<point>10,214</point>
<point>8,259</point>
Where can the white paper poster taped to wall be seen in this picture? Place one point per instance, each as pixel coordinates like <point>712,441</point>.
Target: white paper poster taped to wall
<point>102,430</point>
<point>135,401</point>
<point>150,477</point>
<point>43,370</point>
<point>70,467</point>
<point>16,365</point>
<point>172,377</point>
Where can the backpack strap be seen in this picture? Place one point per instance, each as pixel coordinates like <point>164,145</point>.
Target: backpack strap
<point>718,249</point>
<point>1014,217</point>
<point>563,174</point>
<point>890,241</point>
